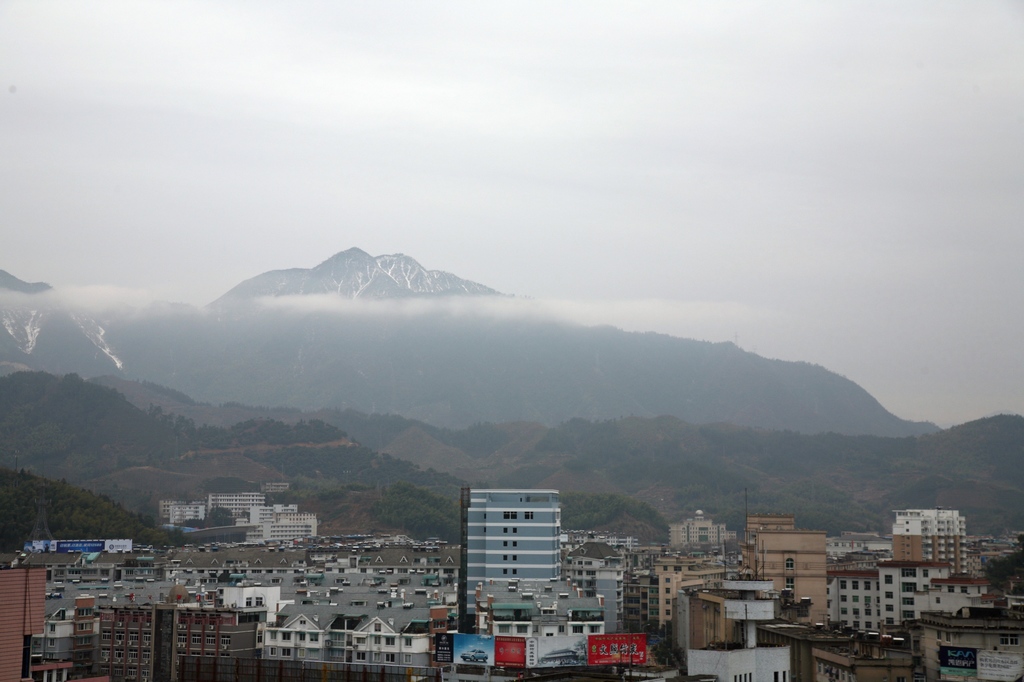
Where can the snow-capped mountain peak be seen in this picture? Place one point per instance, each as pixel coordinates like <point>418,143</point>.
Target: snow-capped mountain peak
<point>356,274</point>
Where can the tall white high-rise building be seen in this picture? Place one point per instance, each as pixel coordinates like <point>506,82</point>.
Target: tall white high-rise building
<point>930,535</point>
<point>513,534</point>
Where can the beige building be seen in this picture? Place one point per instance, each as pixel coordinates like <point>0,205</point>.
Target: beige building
<point>930,535</point>
<point>674,573</point>
<point>699,530</point>
<point>793,559</point>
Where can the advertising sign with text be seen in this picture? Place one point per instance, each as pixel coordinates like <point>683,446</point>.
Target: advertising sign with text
<point>510,652</point>
<point>476,649</point>
<point>1000,665</point>
<point>619,649</point>
<point>556,652</point>
<point>958,661</point>
<point>444,647</point>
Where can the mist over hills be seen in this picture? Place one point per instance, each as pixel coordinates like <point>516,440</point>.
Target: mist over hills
<point>433,347</point>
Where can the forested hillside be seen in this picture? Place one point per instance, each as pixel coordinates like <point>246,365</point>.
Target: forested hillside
<point>72,513</point>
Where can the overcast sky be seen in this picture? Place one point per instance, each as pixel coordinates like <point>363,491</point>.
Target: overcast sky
<point>835,182</point>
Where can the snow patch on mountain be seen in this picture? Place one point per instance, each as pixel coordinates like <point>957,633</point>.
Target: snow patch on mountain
<point>96,334</point>
<point>24,327</point>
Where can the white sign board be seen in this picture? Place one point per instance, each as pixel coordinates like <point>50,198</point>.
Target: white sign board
<point>1000,666</point>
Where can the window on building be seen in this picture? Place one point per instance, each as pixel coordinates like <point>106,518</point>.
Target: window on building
<point>888,579</point>
<point>888,595</point>
<point>908,615</point>
<point>888,607</point>
<point>908,572</point>
<point>842,586</point>
<point>924,572</point>
<point>577,629</point>
<point>842,597</point>
<point>790,583</point>
<point>790,564</point>
<point>963,589</point>
<point>528,515</point>
<point>1009,640</point>
<point>908,587</point>
<point>855,585</point>
<point>908,601</point>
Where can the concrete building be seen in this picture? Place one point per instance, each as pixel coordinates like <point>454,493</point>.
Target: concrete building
<point>697,530</point>
<point>145,641</point>
<point>236,503</point>
<point>277,522</point>
<point>536,609</point>
<point>744,660</point>
<point>598,570</point>
<point>858,543</point>
<point>672,574</point>
<point>23,591</point>
<point>513,534</point>
<point>930,535</point>
<point>180,513</point>
<point>70,634</point>
<point>793,559</point>
<point>991,641</point>
<point>853,599</point>
<point>904,587</point>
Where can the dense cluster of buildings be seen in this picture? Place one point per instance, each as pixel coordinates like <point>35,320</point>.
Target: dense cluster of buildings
<point>254,519</point>
<point>790,606</point>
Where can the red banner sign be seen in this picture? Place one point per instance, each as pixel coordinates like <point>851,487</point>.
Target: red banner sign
<point>510,652</point>
<point>619,649</point>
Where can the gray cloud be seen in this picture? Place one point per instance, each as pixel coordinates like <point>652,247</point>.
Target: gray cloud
<point>831,182</point>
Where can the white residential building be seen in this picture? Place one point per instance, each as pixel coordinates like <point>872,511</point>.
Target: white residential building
<point>182,513</point>
<point>930,535</point>
<point>236,503</point>
<point>904,588</point>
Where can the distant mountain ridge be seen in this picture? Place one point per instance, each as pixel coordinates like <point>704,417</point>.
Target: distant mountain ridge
<point>12,283</point>
<point>356,274</point>
<point>449,370</point>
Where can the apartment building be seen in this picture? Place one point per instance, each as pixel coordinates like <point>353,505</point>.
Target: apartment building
<point>513,534</point>
<point>236,503</point>
<point>144,641</point>
<point>181,513</point>
<point>71,633</point>
<point>793,559</point>
<point>536,609</point>
<point>930,535</point>
<point>904,587</point>
<point>854,599</point>
<point>598,569</point>
<point>675,573</point>
<point>975,642</point>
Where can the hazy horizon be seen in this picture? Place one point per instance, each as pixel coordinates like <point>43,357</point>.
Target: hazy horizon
<point>834,183</point>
